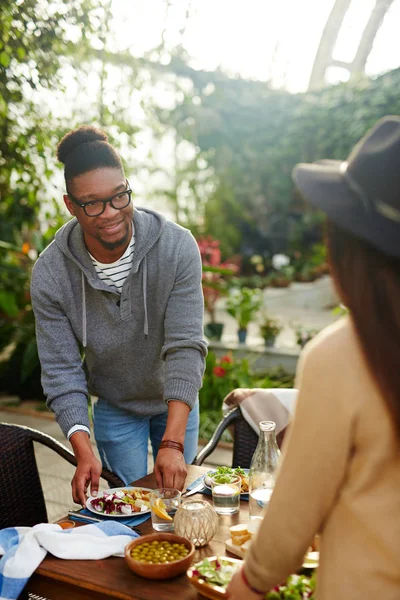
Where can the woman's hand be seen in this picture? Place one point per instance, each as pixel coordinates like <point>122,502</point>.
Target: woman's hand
<point>238,590</point>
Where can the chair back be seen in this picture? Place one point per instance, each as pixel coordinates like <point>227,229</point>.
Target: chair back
<point>21,491</point>
<point>244,440</point>
<point>263,405</point>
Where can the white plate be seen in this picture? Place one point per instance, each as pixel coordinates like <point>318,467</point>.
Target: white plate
<point>112,491</point>
<point>207,481</point>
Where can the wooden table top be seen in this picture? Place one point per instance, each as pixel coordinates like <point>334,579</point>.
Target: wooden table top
<point>58,579</point>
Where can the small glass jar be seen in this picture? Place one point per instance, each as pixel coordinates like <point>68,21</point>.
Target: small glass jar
<point>197,521</point>
<point>66,524</point>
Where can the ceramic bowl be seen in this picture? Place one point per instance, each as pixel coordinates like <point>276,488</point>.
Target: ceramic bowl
<point>161,570</point>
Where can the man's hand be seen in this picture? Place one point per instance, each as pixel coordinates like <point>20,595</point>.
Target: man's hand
<point>88,469</point>
<point>170,469</point>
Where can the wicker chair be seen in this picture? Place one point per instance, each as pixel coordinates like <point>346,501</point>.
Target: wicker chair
<point>244,440</point>
<point>21,490</point>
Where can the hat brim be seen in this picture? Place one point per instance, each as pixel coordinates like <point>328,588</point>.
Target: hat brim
<point>324,186</point>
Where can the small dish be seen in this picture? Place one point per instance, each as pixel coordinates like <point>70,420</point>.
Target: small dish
<point>159,570</point>
<point>66,524</point>
<point>210,590</point>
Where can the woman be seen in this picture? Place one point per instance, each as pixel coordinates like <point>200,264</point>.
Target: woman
<point>340,471</point>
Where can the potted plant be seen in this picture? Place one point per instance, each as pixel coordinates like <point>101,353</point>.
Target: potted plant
<point>304,335</point>
<point>270,329</point>
<point>214,282</point>
<point>242,304</point>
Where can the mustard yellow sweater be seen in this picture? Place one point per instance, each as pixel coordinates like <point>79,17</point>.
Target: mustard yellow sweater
<point>339,476</point>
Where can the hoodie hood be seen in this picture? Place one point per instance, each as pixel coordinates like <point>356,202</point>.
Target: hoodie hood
<point>148,225</point>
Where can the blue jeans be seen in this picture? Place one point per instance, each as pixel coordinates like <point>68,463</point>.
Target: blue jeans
<point>122,438</point>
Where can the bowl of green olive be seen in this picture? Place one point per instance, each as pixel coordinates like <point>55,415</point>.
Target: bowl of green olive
<point>159,555</point>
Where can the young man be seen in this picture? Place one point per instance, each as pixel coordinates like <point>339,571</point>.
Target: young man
<point>122,287</point>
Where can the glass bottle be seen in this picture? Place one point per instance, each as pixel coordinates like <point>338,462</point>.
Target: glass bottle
<point>263,469</point>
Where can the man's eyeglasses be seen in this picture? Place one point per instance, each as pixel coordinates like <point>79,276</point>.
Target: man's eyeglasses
<point>95,208</point>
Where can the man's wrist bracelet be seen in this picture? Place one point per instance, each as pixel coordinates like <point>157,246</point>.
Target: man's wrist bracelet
<point>253,589</point>
<point>172,444</point>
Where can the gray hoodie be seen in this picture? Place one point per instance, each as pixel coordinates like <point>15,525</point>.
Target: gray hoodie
<point>141,348</point>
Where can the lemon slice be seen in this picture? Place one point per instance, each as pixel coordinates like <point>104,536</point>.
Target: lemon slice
<point>159,509</point>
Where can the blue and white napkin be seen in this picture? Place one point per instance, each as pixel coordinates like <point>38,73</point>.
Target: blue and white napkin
<point>24,548</point>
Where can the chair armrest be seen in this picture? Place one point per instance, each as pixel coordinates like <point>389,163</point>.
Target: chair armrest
<point>45,439</point>
<point>227,420</point>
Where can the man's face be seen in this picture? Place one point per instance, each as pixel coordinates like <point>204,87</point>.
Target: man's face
<point>113,228</point>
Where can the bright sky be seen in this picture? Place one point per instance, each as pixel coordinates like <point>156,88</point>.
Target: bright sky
<point>261,39</point>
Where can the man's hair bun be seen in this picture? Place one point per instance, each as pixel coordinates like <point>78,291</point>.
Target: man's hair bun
<point>76,138</point>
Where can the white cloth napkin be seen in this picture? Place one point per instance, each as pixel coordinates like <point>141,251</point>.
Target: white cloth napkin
<point>275,404</point>
<point>24,548</point>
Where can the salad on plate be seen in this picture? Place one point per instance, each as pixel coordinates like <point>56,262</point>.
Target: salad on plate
<point>120,502</point>
<point>216,573</point>
<point>223,475</point>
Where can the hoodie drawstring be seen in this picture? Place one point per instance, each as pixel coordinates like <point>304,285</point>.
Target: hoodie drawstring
<point>84,333</point>
<point>146,322</point>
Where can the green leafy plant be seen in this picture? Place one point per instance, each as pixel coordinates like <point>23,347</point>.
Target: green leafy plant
<point>304,335</point>
<point>340,310</point>
<point>269,328</point>
<point>242,304</point>
<point>215,274</point>
<point>224,374</point>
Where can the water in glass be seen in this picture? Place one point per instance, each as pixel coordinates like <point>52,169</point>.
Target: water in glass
<point>226,494</point>
<point>163,504</point>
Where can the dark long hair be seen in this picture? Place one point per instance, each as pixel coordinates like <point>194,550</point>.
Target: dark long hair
<point>368,282</point>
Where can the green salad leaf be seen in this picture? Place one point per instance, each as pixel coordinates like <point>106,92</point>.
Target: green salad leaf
<point>297,587</point>
<point>223,474</point>
<point>220,572</point>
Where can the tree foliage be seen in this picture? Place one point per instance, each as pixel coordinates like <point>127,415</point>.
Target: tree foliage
<point>36,37</point>
<point>253,136</point>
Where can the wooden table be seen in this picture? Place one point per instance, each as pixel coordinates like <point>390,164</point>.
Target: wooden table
<point>58,579</point>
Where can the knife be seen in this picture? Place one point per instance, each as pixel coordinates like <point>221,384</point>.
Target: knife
<point>198,488</point>
<point>78,515</point>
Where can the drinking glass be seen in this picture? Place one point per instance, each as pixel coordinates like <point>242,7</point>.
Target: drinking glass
<point>164,504</point>
<point>226,493</point>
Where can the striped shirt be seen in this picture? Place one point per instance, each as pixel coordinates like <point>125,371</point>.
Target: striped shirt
<point>114,274</point>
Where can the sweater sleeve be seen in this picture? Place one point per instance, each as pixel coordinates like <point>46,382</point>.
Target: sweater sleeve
<point>63,377</point>
<point>185,348</point>
<point>313,467</point>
